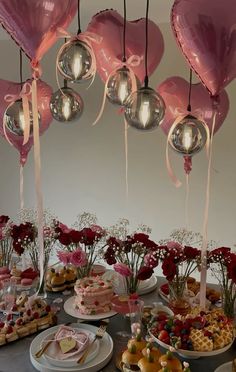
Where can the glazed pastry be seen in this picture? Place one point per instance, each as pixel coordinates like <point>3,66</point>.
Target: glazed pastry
<point>50,274</point>
<point>151,350</point>
<point>171,361</point>
<point>70,278</point>
<point>21,300</point>
<point>148,364</point>
<point>11,334</point>
<point>130,359</point>
<point>58,283</point>
<point>138,342</point>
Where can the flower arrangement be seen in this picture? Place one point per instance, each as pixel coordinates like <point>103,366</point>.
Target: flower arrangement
<point>223,264</point>
<point>130,255</point>
<point>6,248</point>
<point>24,236</point>
<point>80,247</point>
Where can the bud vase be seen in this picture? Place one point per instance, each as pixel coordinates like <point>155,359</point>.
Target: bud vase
<point>177,302</point>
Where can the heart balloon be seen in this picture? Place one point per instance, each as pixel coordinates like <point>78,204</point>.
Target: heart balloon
<point>108,24</point>
<point>44,93</point>
<point>33,24</point>
<point>206,33</point>
<point>175,90</point>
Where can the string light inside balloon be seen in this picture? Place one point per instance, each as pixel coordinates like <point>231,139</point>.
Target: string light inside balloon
<point>76,60</point>
<point>66,105</point>
<point>145,108</point>
<point>14,118</point>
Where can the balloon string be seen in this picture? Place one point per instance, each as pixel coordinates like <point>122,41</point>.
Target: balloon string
<point>126,160</point>
<point>21,187</point>
<point>38,185</point>
<point>205,222</point>
<point>187,202</point>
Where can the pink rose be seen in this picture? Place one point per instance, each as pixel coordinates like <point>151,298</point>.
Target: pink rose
<point>64,257</point>
<point>122,269</point>
<point>78,258</point>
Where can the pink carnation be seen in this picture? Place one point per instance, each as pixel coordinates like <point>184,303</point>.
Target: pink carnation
<point>174,245</point>
<point>64,228</point>
<point>122,269</point>
<point>151,260</point>
<point>64,257</point>
<point>78,258</point>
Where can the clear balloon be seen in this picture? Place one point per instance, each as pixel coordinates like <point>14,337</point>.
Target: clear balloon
<point>33,25</point>
<point>75,62</point>
<point>188,136</point>
<point>66,105</point>
<point>205,32</point>
<point>15,120</point>
<point>109,24</point>
<point>119,86</point>
<point>144,109</point>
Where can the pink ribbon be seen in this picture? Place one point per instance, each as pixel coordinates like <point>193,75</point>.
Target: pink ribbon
<point>21,187</point>
<point>126,160</point>
<point>24,95</point>
<point>206,218</point>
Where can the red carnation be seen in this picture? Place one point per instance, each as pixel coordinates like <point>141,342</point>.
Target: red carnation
<point>144,273</point>
<point>191,253</point>
<point>64,238</point>
<point>89,236</point>
<point>169,269</point>
<point>75,236</point>
<point>231,268</point>
<point>4,220</point>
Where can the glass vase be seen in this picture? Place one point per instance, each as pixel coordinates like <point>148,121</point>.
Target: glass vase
<point>41,289</point>
<point>228,301</point>
<point>177,301</point>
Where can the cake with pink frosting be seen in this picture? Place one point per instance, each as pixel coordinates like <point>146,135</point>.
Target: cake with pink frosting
<point>93,295</point>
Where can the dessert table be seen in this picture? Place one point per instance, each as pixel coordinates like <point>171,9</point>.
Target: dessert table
<point>15,356</point>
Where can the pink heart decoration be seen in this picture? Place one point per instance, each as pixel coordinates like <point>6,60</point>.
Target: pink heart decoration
<point>205,31</point>
<point>174,91</point>
<point>44,92</point>
<point>108,24</point>
<point>33,24</point>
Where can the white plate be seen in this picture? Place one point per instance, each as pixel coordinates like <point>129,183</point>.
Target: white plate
<point>72,361</point>
<point>69,308</point>
<point>190,354</point>
<point>95,365</point>
<point>148,285</point>
<point>226,367</point>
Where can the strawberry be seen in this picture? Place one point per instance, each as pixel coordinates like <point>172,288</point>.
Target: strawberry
<point>2,324</point>
<point>14,308</point>
<point>96,303</point>
<point>9,317</point>
<point>48,308</point>
<point>28,312</point>
<point>164,337</point>
<point>19,321</point>
<point>9,329</point>
<point>36,315</point>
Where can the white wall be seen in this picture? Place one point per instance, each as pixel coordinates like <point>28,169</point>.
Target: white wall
<point>83,167</point>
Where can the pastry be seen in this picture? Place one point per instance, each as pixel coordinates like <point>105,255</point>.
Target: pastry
<point>130,359</point>
<point>93,295</point>
<point>21,300</point>
<point>58,283</point>
<point>138,342</point>
<point>16,273</point>
<point>4,270</point>
<point>151,350</point>
<point>70,278</point>
<point>26,282</point>
<point>11,334</point>
<point>2,339</point>
<point>170,361</point>
<point>148,364</point>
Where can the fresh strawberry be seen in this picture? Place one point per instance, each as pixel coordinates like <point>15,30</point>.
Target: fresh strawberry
<point>2,324</point>
<point>48,308</point>
<point>36,315</point>
<point>14,308</point>
<point>19,321</point>
<point>164,337</point>
<point>28,312</point>
<point>9,317</point>
<point>9,329</point>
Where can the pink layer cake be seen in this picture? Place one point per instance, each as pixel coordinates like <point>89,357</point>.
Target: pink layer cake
<point>93,295</point>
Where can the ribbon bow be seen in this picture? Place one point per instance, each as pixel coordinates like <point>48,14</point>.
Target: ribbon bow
<point>24,96</point>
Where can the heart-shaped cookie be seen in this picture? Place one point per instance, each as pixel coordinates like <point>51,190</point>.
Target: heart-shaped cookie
<point>67,344</point>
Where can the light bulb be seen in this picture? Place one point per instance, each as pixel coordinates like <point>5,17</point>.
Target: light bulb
<point>144,109</point>
<point>15,120</point>
<point>144,113</point>
<point>66,105</point>
<point>188,136</point>
<point>77,65</point>
<point>119,86</point>
<point>76,61</point>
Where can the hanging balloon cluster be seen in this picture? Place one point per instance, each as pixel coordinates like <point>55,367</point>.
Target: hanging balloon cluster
<point>145,108</point>
<point>76,63</point>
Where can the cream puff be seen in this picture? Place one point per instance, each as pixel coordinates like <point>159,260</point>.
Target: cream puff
<point>130,359</point>
<point>171,361</point>
<point>138,341</point>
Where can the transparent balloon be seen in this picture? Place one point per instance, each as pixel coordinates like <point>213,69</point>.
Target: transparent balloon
<point>144,109</point>
<point>66,105</point>
<point>189,136</point>
<point>15,120</point>
<point>75,61</point>
<point>120,85</point>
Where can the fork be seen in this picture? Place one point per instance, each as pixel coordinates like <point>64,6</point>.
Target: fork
<point>99,335</point>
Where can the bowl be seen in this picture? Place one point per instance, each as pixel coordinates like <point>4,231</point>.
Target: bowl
<point>71,362</point>
<point>160,309</point>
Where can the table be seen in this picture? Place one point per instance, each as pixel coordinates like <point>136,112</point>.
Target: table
<point>15,356</point>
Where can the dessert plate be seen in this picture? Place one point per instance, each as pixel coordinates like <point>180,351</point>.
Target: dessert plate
<point>189,354</point>
<point>69,307</point>
<point>95,365</point>
<point>148,285</point>
<point>226,367</point>
<point>54,349</point>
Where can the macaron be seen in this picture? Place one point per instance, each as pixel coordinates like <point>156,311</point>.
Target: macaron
<point>4,270</point>
<point>4,276</point>
<point>26,282</point>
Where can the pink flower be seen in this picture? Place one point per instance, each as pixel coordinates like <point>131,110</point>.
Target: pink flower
<point>122,269</point>
<point>174,245</point>
<point>78,258</point>
<point>64,228</point>
<point>151,260</point>
<point>64,257</point>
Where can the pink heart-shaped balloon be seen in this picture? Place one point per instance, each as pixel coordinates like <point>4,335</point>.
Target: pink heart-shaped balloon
<point>175,90</point>
<point>33,24</point>
<point>108,24</point>
<point>205,31</point>
<point>44,92</point>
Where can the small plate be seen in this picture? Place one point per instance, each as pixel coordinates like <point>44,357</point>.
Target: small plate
<point>226,367</point>
<point>69,307</point>
<point>189,354</point>
<point>72,361</point>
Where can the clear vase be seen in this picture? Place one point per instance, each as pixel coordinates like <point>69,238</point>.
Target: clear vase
<point>41,290</point>
<point>177,302</point>
<point>228,301</point>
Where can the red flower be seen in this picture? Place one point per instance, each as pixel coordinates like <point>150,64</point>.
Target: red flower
<point>191,253</point>
<point>109,256</point>
<point>141,238</point>
<point>144,273</point>
<point>75,236</point>
<point>231,268</point>
<point>169,269</point>
<point>89,236</point>
<point>113,242</point>
<point>18,247</point>
<point>4,220</point>
<point>64,238</point>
